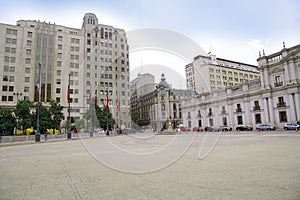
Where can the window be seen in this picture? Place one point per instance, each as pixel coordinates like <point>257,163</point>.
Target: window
<point>29,43</point>
<point>4,88</point>
<point>238,108</point>
<point>12,69</point>
<point>27,79</point>
<point>29,34</point>
<point>27,60</point>
<point>11,88</point>
<point>26,89</point>
<point>282,116</point>
<point>256,105</point>
<point>28,51</point>
<point>281,102</point>
<point>4,98</point>
<point>59,47</point>
<point>257,118</point>
<point>239,120</point>
<point>278,81</point>
<point>60,38</point>
<point>224,119</point>
<point>211,122</point>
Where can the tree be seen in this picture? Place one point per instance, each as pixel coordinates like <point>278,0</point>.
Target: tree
<point>45,119</point>
<point>56,115</point>
<point>7,121</point>
<point>24,117</point>
<point>102,115</point>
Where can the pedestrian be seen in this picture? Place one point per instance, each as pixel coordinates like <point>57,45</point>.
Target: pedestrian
<point>46,136</point>
<point>107,132</point>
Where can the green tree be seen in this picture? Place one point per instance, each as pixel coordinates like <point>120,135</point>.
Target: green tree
<point>45,119</point>
<point>102,115</point>
<point>24,117</point>
<point>56,114</point>
<point>7,121</point>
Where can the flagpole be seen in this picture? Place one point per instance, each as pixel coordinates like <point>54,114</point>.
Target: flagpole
<point>107,109</point>
<point>69,111</point>
<point>38,134</point>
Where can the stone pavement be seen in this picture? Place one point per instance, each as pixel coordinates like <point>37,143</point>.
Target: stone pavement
<point>241,166</point>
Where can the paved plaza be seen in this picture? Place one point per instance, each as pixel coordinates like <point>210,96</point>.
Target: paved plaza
<point>245,165</point>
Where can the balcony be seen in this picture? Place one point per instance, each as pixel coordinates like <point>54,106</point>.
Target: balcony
<point>256,107</point>
<point>238,110</point>
<point>209,114</point>
<point>278,84</point>
<point>281,105</point>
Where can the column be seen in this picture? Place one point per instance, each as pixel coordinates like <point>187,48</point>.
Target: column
<point>266,118</point>
<point>271,110</point>
<point>297,104</point>
<point>247,118</point>
<point>291,110</point>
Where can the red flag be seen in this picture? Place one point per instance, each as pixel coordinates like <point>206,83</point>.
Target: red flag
<point>107,102</point>
<point>68,92</point>
<point>37,93</point>
<point>118,103</point>
<point>90,99</point>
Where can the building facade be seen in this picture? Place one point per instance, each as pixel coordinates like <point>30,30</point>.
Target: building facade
<point>95,56</point>
<point>160,105</point>
<point>208,72</point>
<point>273,99</point>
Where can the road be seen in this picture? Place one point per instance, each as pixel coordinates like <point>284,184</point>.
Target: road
<point>240,166</point>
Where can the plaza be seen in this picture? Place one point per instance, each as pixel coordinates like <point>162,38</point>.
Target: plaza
<point>245,165</point>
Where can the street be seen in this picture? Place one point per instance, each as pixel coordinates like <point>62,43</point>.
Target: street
<point>245,165</point>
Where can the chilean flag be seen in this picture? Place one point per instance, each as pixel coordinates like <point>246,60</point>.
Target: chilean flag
<point>38,87</point>
<point>37,93</point>
<point>107,102</point>
<point>118,103</point>
<point>68,92</point>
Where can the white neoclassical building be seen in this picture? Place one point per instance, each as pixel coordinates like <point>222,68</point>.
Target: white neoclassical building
<point>273,99</point>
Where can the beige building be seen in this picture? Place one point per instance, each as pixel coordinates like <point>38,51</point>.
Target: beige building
<point>207,73</point>
<point>273,99</point>
<point>95,56</point>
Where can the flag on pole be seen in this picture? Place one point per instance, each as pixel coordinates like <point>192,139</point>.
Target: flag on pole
<point>90,99</point>
<point>107,102</point>
<point>38,87</point>
<point>118,103</point>
<point>68,92</point>
<point>37,93</point>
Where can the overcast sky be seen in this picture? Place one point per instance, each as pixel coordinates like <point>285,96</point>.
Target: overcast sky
<point>231,29</point>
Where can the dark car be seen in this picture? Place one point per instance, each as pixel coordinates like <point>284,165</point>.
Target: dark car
<point>244,128</point>
<point>225,128</point>
<point>265,127</point>
<point>211,129</point>
<point>291,126</point>
<point>198,129</point>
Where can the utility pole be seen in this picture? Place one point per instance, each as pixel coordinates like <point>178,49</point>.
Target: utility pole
<point>69,111</point>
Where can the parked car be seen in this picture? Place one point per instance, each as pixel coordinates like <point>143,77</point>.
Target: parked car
<point>212,129</point>
<point>225,128</point>
<point>198,129</point>
<point>291,126</point>
<point>265,127</point>
<point>244,128</point>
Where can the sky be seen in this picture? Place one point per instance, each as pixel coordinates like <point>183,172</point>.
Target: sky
<point>231,29</point>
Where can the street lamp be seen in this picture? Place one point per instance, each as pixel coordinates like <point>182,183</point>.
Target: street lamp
<point>69,110</point>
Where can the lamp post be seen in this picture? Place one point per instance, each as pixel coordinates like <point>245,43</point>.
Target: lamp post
<point>38,134</point>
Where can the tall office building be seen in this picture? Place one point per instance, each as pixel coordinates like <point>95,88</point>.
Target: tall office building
<point>208,73</point>
<point>95,57</point>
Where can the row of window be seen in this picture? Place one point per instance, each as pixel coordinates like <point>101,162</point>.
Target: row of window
<point>239,119</point>
<point>238,109</point>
